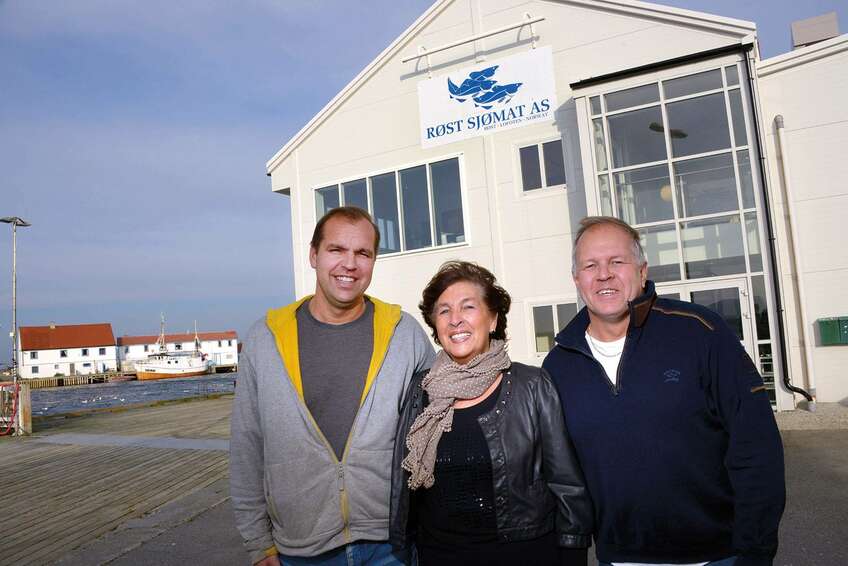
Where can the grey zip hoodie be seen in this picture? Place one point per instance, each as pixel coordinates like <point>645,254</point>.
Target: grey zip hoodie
<point>289,490</point>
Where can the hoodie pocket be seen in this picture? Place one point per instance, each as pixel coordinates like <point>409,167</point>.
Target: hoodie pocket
<point>303,504</point>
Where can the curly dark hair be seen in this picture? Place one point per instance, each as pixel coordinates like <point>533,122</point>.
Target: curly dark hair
<point>495,296</point>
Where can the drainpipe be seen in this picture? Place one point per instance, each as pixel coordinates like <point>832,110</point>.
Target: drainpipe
<point>796,261</point>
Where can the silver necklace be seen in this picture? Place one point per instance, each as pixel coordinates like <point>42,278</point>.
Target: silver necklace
<point>599,347</point>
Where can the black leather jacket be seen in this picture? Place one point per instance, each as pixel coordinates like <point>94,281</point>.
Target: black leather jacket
<point>538,483</point>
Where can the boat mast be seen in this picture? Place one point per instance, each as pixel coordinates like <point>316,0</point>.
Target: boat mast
<point>161,340</point>
<point>196,338</point>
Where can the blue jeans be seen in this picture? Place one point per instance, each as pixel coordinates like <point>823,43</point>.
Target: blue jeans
<point>724,562</point>
<point>362,553</point>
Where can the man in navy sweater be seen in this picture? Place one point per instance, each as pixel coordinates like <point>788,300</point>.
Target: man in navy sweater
<point>670,418</point>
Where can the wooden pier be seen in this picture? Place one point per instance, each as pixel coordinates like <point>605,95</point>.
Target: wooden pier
<point>87,379</point>
<point>78,478</point>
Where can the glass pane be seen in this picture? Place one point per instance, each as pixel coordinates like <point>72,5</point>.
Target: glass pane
<point>758,285</point>
<point>644,195</point>
<point>600,144</point>
<point>767,370</point>
<point>753,234</point>
<point>554,166</point>
<point>531,172</point>
<point>732,75</point>
<point>447,202</point>
<point>674,296</point>
<point>700,82</point>
<point>660,245</point>
<point>725,302</point>
<point>698,125</point>
<point>705,185</point>
<point>738,117</point>
<point>565,312</point>
<point>543,322</point>
<point>595,103</point>
<point>606,196</point>
<point>637,137</point>
<point>632,97</point>
<point>745,179</point>
<point>712,247</point>
<point>384,199</point>
<point>416,208</point>
<point>356,193</point>
<point>326,199</point>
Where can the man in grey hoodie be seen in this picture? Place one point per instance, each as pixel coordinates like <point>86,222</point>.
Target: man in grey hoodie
<point>313,425</point>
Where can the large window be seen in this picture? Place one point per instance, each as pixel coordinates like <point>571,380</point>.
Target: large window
<point>548,320</point>
<point>542,165</point>
<point>672,158</point>
<point>414,208</point>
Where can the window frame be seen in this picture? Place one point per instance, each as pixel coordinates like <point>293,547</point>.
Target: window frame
<point>434,247</point>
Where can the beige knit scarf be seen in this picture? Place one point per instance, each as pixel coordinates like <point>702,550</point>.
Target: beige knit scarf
<point>447,382</point>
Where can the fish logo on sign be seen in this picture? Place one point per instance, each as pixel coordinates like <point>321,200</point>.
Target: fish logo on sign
<point>482,89</point>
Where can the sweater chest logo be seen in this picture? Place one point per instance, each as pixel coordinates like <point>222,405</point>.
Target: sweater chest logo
<point>671,376</point>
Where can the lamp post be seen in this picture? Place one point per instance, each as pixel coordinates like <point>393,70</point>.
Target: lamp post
<point>15,221</point>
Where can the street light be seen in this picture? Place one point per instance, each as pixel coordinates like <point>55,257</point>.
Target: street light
<point>15,221</point>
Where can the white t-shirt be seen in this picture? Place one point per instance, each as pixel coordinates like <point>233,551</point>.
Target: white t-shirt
<point>609,355</point>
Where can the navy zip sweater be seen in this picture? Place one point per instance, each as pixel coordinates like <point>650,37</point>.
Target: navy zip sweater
<point>682,457</point>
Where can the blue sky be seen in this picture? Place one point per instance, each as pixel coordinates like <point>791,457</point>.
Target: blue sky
<point>134,134</point>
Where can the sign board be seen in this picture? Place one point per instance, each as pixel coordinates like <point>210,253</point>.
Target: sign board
<point>488,97</point>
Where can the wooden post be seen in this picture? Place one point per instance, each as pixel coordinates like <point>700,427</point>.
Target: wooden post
<point>24,411</point>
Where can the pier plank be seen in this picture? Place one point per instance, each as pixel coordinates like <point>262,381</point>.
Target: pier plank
<point>60,496</point>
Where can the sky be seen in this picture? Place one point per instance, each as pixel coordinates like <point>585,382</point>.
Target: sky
<point>134,136</point>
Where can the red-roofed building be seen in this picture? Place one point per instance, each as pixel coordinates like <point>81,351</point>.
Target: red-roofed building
<point>70,349</point>
<point>220,347</point>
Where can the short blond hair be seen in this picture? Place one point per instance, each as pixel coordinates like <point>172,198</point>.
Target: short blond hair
<point>590,222</point>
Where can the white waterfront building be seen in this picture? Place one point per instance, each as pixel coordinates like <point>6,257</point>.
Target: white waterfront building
<point>486,130</point>
<point>71,349</point>
<point>219,347</point>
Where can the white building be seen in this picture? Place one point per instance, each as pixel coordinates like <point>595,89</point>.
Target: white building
<point>72,349</point>
<point>220,347</point>
<point>488,129</point>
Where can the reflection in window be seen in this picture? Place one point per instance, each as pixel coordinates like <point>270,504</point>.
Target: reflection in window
<point>732,75</point>
<point>738,117</point>
<point>660,245</point>
<point>326,199</point>
<point>600,144</point>
<point>760,307</point>
<point>692,84</point>
<point>447,202</point>
<point>385,213</point>
<point>698,125</point>
<point>355,193</point>
<point>755,256</point>
<point>746,181</point>
<point>554,164</point>
<point>712,247</point>
<point>706,185</point>
<point>637,137</point>
<point>595,103</point>
<point>644,195</point>
<point>632,97</point>
<point>416,207</point>
<point>606,196</point>
<point>531,169</point>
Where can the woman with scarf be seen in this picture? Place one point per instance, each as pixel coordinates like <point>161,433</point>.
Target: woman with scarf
<point>484,470</point>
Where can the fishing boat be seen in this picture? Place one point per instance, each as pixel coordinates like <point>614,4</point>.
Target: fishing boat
<point>164,364</point>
